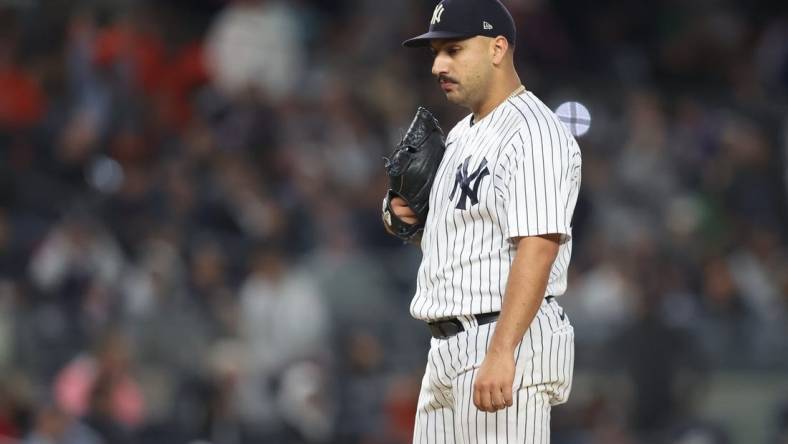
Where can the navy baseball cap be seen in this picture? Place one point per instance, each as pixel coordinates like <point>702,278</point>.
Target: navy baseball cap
<point>461,19</point>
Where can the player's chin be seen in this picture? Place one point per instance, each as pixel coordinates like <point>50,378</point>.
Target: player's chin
<point>455,97</point>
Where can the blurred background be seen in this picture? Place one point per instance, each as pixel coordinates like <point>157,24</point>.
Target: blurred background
<point>190,238</point>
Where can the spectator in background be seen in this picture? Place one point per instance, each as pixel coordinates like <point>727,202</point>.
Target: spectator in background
<point>305,403</point>
<point>100,415</point>
<point>362,393</point>
<point>210,291</point>
<point>170,330</point>
<point>727,313</point>
<point>283,316</point>
<point>54,426</point>
<point>602,297</point>
<point>256,46</point>
<point>102,384</point>
<point>77,247</point>
<point>22,101</point>
<point>75,269</point>
<point>283,321</point>
<point>662,363</point>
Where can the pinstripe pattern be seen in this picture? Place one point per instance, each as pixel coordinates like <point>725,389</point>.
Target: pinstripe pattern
<point>543,378</point>
<point>534,178</point>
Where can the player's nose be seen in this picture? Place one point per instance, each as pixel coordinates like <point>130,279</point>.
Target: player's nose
<point>439,65</point>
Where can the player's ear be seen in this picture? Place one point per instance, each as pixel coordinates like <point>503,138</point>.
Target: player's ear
<point>500,46</point>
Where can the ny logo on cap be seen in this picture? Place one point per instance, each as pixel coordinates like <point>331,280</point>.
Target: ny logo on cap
<point>436,15</point>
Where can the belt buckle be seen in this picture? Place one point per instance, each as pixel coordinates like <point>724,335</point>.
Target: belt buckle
<point>446,328</point>
<point>454,327</point>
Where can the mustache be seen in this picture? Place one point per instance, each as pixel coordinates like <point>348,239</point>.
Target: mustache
<point>445,78</point>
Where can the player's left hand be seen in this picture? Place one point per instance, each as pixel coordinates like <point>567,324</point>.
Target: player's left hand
<point>492,389</point>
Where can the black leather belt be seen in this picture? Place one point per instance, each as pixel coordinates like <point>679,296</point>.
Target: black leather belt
<point>446,328</point>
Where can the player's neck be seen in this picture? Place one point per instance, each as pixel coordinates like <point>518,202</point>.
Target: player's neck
<point>498,94</point>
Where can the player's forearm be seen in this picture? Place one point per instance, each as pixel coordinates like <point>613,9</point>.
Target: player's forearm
<point>525,290</point>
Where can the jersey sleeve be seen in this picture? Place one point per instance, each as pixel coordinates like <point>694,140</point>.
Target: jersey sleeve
<point>541,188</point>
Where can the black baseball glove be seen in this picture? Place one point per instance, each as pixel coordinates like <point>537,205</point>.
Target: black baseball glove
<point>411,170</point>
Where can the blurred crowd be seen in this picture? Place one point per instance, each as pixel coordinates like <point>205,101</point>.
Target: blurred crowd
<point>190,238</point>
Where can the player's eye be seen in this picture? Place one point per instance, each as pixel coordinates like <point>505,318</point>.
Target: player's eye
<point>453,50</point>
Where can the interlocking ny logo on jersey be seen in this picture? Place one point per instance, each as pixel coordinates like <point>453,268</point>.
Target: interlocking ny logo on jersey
<point>437,13</point>
<point>468,184</point>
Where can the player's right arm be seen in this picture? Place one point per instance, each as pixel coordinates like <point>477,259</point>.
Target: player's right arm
<point>541,191</point>
<point>525,288</point>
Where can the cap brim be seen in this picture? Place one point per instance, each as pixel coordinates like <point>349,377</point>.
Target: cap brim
<point>424,39</point>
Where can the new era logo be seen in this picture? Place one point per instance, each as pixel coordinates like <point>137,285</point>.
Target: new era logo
<point>487,26</point>
<point>437,13</point>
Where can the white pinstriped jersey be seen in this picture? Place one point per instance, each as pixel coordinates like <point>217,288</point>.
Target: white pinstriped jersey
<point>514,173</point>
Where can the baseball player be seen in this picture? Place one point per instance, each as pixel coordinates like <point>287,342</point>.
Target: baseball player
<point>496,242</point>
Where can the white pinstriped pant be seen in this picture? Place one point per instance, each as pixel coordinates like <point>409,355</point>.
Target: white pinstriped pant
<point>543,378</point>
